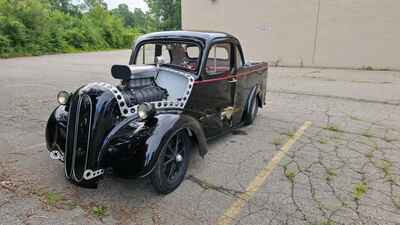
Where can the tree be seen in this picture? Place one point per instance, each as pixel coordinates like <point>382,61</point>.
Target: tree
<point>139,18</point>
<point>64,6</point>
<point>123,12</point>
<point>166,13</point>
<point>35,27</point>
<point>90,4</point>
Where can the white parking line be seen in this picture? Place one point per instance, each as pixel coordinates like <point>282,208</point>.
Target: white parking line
<point>233,211</point>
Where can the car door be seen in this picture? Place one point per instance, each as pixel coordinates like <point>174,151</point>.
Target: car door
<point>242,86</point>
<point>214,95</point>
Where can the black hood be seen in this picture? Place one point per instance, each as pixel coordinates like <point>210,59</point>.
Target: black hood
<point>92,112</point>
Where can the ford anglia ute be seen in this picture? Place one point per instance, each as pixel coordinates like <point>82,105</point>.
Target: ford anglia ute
<point>179,90</point>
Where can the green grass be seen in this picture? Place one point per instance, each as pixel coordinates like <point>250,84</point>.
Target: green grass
<point>278,141</point>
<point>333,128</point>
<point>396,201</point>
<point>384,165</point>
<point>331,172</point>
<point>369,155</point>
<point>359,190</point>
<point>70,205</point>
<point>53,198</point>
<point>99,211</point>
<point>367,134</point>
<point>290,133</point>
<point>355,118</point>
<point>323,141</point>
<point>329,222</point>
<point>325,223</point>
<point>290,175</point>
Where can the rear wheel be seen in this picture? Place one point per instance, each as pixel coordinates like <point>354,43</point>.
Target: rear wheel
<point>172,164</point>
<point>251,113</point>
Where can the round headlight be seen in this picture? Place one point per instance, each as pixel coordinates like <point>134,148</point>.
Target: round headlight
<point>145,111</point>
<point>62,97</point>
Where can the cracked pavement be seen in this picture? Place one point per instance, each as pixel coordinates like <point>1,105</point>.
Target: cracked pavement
<point>345,169</point>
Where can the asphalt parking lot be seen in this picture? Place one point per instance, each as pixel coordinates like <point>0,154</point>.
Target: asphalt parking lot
<point>325,150</point>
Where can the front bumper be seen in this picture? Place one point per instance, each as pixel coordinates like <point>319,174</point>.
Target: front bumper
<point>87,174</point>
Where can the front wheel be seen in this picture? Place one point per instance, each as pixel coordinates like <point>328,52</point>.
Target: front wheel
<point>172,164</point>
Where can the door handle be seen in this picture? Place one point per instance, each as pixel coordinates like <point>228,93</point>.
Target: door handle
<point>233,80</point>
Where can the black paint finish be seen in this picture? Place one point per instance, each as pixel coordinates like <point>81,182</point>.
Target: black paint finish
<point>132,146</point>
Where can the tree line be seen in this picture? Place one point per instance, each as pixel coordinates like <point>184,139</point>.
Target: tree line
<point>36,27</point>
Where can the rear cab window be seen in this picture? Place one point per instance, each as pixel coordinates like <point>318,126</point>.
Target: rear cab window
<point>219,59</point>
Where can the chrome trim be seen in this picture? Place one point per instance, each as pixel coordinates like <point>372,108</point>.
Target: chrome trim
<point>123,107</point>
<point>90,174</point>
<point>139,127</point>
<point>78,111</point>
<point>56,155</point>
<point>66,148</point>
<point>174,104</point>
<point>76,128</point>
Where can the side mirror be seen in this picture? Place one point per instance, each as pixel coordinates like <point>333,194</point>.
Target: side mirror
<point>159,60</point>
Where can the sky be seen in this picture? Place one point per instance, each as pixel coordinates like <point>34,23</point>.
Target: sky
<point>131,3</point>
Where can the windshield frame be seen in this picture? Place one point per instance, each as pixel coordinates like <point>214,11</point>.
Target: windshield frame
<point>139,45</point>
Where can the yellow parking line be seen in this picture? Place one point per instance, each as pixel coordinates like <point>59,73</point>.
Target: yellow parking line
<point>232,212</point>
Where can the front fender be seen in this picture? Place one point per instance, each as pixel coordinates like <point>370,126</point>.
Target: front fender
<point>56,129</point>
<point>168,125</point>
<point>136,148</point>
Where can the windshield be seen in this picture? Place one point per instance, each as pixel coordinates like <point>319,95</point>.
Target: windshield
<point>179,55</point>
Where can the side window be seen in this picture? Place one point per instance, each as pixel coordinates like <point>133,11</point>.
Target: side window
<point>239,61</point>
<point>218,61</point>
<point>165,54</point>
<point>192,52</point>
<point>147,52</point>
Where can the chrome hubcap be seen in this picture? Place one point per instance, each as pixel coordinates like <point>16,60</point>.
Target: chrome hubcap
<point>173,162</point>
<point>178,158</point>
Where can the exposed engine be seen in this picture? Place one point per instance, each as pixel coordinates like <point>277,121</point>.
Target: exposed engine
<point>163,87</point>
<point>141,90</point>
<point>138,84</point>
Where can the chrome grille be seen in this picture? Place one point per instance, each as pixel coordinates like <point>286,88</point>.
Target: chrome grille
<point>78,137</point>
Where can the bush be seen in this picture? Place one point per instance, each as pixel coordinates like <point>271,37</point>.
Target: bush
<point>33,27</point>
<point>5,45</point>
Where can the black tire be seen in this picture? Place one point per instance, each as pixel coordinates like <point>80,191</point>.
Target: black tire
<point>121,170</point>
<point>90,184</point>
<point>171,169</point>
<point>252,111</point>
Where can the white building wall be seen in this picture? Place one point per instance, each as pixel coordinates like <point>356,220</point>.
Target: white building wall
<point>325,33</point>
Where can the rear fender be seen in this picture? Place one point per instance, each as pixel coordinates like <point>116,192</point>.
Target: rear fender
<point>254,93</point>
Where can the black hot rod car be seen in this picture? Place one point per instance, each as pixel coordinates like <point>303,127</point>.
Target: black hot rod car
<point>180,89</point>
